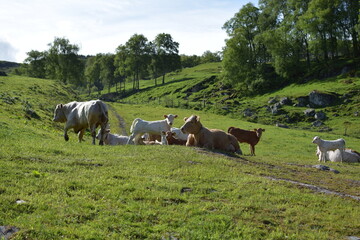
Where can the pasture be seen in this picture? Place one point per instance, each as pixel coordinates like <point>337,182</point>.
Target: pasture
<point>76,190</point>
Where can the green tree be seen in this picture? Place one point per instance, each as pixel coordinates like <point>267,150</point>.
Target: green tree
<point>36,64</point>
<point>63,63</point>
<point>165,57</point>
<point>92,74</point>
<point>241,56</point>
<point>133,58</point>
<point>209,57</point>
<point>189,61</point>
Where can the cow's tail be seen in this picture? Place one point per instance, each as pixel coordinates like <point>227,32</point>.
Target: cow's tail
<point>133,124</point>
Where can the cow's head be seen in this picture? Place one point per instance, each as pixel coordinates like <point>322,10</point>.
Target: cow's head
<point>316,139</point>
<point>170,119</point>
<point>259,132</point>
<point>192,125</point>
<point>59,114</point>
<point>99,135</point>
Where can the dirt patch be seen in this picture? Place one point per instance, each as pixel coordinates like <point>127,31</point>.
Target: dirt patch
<point>121,121</point>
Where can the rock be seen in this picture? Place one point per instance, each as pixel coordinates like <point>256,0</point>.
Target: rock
<point>302,101</point>
<point>318,99</point>
<point>285,101</point>
<point>356,114</point>
<point>320,116</point>
<point>281,125</point>
<point>317,123</point>
<point>275,109</point>
<point>325,168</point>
<point>272,100</point>
<point>353,238</point>
<point>6,232</point>
<point>248,112</point>
<point>310,112</point>
<point>3,74</point>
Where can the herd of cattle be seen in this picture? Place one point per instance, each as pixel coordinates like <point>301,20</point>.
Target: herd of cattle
<point>92,114</point>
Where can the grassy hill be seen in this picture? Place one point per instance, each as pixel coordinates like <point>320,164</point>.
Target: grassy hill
<point>199,88</point>
<point>52,189</point>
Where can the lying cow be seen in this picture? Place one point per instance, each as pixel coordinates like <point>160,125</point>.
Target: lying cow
<point>327,145</point>
<point>82,115</point>
<point>250,137</point>
<point>179,134</point>
<point>140,127</point>
<point>112,139</point>
<point>171,140</point>
<point>349,155</point>
<point>200,136</point>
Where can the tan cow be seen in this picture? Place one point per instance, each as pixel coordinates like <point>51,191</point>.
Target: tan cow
<point>201,136</point>
<point>82,115</point>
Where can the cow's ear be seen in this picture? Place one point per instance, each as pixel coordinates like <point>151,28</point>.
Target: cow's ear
<point>175,116</point>
<point>197,118</point>
<point>255,129</point>
<point>165,116</point>
<point>263,130</point>
<point>61,105</point>
<point>185,118</point>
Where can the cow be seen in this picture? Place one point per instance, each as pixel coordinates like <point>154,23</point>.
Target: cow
<point>140,127</point>
<point>250,137</point>
<point>200,136</point>
<point>179,134</point>
<point>349,155</point>
<point>112,139</point>
<point>327,145</point>
<point>82,115</point>
<point>170,137</point>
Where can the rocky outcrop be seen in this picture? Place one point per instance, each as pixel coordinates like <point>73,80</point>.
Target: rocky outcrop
<point>320,99</point>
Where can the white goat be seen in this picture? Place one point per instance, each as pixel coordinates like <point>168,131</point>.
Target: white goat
<point>326,145</point>
<point>349,155</point>
<point>112,139</point>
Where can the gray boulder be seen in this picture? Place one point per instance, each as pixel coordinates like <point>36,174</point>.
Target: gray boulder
<point>320,116</point>
<point>310,112</point>
<point>319,99</point>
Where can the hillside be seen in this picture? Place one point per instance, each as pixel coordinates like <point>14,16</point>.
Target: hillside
<point>199,88</point>
<point>52,189</point>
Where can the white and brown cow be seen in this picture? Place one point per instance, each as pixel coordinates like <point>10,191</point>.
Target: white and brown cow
<point>82,115</point>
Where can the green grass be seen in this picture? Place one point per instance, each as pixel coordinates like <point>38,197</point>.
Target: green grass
<point>81,191</point>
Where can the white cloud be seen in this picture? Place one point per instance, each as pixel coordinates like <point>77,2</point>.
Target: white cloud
<point>101,26</point>
<point>7,51</point>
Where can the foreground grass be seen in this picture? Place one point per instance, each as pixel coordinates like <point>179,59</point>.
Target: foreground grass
<point>74,190</point>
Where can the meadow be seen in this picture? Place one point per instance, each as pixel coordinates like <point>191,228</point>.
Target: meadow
<point>74,190</point>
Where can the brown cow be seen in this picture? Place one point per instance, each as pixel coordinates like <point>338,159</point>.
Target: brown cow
<point>172,140</point>
<point>82,115</point>
<point>201,136</point>
<point>250,137</point>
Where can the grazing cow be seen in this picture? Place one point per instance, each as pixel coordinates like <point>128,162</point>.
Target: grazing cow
<point>112,139</point>
<point>349,155</point>
<point>140,127</point>
<point>170,137</point>
<point>326,145</point>
<point>200,136</point>
<point>179,134</point>
<point>82,115</point>
<point>250,137</point>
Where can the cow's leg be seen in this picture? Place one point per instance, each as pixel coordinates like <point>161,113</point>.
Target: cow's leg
<point>66,136</point>
<point>102,131</point>
<point>131,138</point>
<point>93,133</point>
<point>81,135</point>
<point>252,147</point>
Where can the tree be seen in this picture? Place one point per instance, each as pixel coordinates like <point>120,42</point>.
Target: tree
<point>36,61</point>
<point>132,59</point>
<point>241,52</point>
<point>63,63</point>
<point>209,57</point>
<point>189,61</point>
<point>165,56</point>
<point>92,74</point>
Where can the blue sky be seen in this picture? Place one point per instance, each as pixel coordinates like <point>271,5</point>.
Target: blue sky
<point>100,26</point>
